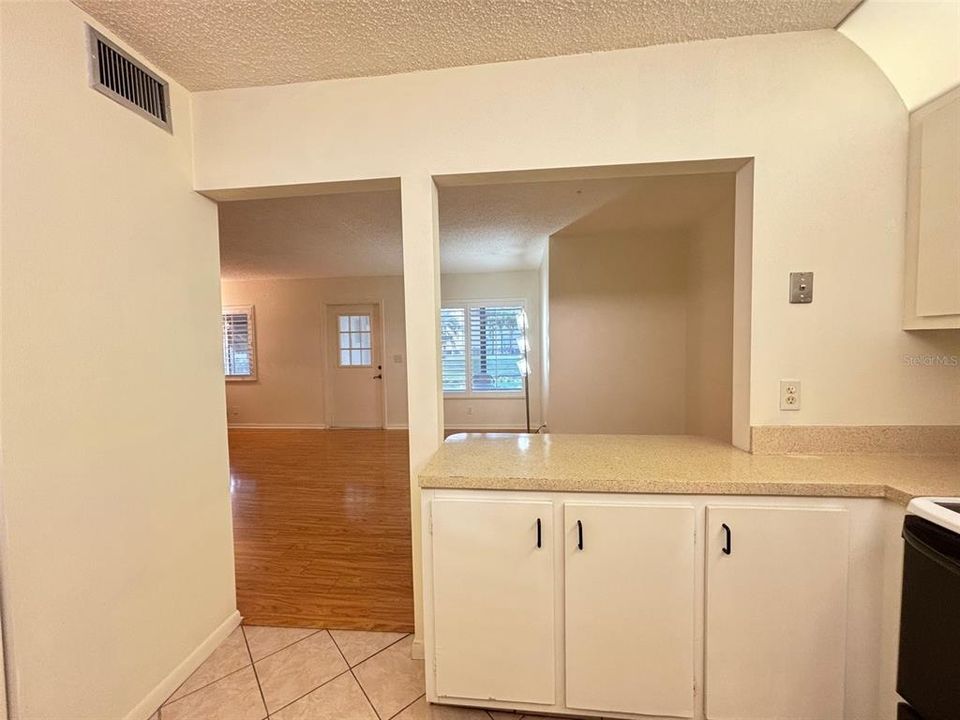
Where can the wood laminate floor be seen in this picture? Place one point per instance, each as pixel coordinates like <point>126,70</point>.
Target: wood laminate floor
<point>322,528</point>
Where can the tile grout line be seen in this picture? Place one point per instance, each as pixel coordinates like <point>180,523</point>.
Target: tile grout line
<point>256,675</point>
<point>274,652</point>
<point>405,707</point>
<point>354,675</point>
<point>168,702</point>
<point>252,664</point>
<point>312,690</point>
<point>339,675</point>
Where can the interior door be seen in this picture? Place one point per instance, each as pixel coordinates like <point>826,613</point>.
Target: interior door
<point>776,613</point>
<point>493,598</point>
<point>630,593</point>
<point>355,366</point>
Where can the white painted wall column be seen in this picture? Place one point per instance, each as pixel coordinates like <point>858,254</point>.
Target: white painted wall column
<point>742,306</point>
<point>421,290</point>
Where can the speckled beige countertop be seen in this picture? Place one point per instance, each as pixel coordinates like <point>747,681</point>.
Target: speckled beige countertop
<point>678,464</point>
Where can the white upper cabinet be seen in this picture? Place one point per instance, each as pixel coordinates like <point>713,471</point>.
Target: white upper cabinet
<point>629,622</point>
<point>493,599</point>
<point>932,284</point>
<point>776,613</point>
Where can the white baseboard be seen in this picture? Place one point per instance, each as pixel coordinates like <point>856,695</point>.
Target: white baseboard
<point>276,426</point>
<point>495,426</point>
<point>398,426</point>
<point>146,707</point>
<point>416,649</point>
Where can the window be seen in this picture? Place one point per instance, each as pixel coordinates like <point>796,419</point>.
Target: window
<point>482,347</point>
<point>356,348</point>
<point>239,343</point>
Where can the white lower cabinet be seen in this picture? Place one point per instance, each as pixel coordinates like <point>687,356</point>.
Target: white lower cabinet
<point>623,587</point>
<point>776,613</point>
<point>493,600</point>
<point>629,608</point>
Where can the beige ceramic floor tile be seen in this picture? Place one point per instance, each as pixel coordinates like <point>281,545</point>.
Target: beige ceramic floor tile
<point>235,697</point>
<point>358,645</point>
<point>422,710</point>
<point>265,641</point>
<point>339,699</point>
<point>229,657</point>
<point>391,679</point>
<point>298,669</point>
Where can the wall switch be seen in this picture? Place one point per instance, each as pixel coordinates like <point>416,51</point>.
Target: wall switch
<point>398,359</point>
<point>469,409</point>
<point>789,394</point>
<point>801,287</point>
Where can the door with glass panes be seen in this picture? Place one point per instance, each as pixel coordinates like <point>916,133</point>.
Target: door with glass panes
<point>355,370</point>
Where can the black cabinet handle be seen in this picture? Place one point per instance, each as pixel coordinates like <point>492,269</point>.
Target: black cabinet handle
<point>728,542</point>
<point>579,535</point>
<point>539,535</point>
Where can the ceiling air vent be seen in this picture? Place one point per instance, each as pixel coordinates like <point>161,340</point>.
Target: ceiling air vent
<point>117,75</point>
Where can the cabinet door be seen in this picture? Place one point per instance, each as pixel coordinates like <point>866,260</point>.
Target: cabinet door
<point>938,258</point>
<point>630,608</point>
<point>776,613</point>
<point>493,600</point>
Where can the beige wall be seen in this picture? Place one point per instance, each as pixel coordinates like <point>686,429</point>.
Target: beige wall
<point>117,543</point>
<point>618,339</point>
<point>479,413</point>
<point>289,390</point>
<point>827,129</point>
<point>709,323</point>
<point>916,44</point>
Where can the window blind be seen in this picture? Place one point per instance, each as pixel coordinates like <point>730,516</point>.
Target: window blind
<point>453,348</point>
<point>482,348</point>
<point>495,354</point>
<point>238,358</point>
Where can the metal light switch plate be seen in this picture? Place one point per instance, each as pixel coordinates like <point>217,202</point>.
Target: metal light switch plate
<point>801,287</point>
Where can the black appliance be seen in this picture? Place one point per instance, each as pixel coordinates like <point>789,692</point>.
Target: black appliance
<point>928,673</point>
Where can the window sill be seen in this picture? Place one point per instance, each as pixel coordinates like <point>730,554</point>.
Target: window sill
<point>505,395</point>
<point>240,378</point>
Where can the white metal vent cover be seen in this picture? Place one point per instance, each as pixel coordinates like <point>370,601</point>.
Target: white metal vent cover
<point>118,76</point>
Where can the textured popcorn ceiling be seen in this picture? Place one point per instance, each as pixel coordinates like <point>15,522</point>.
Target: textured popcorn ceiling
<point>484,228</point>
<point>214,44</point>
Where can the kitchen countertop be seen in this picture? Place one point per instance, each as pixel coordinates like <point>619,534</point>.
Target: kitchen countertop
<point>678,464</point>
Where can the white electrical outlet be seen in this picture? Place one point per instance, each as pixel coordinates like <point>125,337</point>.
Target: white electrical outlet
<point>789,394</point>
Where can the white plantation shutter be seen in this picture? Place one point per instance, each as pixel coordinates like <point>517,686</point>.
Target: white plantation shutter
<point>494,352</point>
<point>453,348</point>
<point>481,348</point>
<point>239,348</point>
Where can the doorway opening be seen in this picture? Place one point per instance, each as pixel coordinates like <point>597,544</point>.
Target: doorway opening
<point>313,318</point>
<point>630,281</point>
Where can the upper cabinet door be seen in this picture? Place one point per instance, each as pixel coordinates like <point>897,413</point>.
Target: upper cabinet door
<point>932,259</point>
<point>493,600</point>
<point>630,608</point>
<point>776,613</point>
<point>938,261</point>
